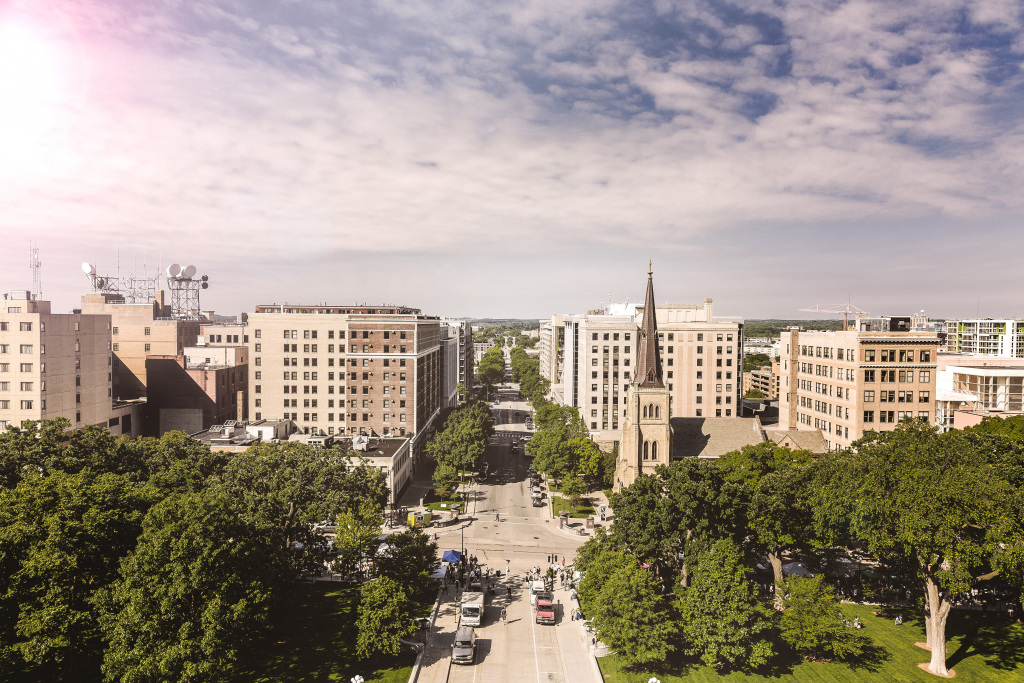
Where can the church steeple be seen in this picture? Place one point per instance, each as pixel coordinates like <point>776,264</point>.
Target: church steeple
<point>648,370</point>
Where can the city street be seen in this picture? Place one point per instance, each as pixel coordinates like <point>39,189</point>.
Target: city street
<point>521,538</point>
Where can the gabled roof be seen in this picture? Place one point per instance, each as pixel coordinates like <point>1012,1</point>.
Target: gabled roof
<point>713,437</point>
<point>799,439</point>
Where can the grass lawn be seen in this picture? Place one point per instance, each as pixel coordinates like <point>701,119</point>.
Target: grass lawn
<point>558,504</point>
<point>313,639</point>
<point>980,650</point>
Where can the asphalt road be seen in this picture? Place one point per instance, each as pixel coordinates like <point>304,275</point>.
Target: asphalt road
<point>522,537</point>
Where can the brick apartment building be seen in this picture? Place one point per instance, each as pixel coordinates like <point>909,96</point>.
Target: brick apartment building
<point>848,383</point>
<point>346,370</point>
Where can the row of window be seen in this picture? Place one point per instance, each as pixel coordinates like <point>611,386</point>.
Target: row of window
<point>353,334</point>
<point>24,367</point>
<point>24,327</point>
<point>886,355</point>
<point>146,331</point>
<point>897,396</point>
<point>894,416</point>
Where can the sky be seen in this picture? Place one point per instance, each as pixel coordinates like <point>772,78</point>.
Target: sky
<point>520,158</point>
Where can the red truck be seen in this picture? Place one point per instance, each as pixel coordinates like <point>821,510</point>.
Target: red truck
<point>544,608</point>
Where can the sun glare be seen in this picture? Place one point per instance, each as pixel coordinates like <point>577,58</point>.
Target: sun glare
<point>32,95</point>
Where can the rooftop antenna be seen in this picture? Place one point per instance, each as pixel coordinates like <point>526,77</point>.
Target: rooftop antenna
<point>37,271</point>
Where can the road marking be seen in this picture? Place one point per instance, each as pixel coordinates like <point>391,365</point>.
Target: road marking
<point>533,632</point>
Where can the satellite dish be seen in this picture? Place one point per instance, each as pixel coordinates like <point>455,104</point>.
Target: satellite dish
<point>206,285</point>
<point>173,270</point>
<point>88,268</point>
<point>188,272</point>
<point>207,277</point>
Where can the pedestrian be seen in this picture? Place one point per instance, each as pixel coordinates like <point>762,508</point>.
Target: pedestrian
<point>508,589</point>
<point>504,614</point>
<point>506,571</point>
<point>496,517</point>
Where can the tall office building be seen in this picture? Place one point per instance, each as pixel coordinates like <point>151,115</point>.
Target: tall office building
<point>702,362</point>
<point>848,383</point>
<point>463,332</point>
<point>53,364</point>
<point>346,370</point>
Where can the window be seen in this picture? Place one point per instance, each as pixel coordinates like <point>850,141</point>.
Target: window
<point>869,356</point>
<point>26,405</point>
<point>923,396</point>
<point>147,348</point>
<point>869,396</point>
<point>146,332</point>
<point>888,375</point>
<point>869,416</point>
<point>26,386</point>
<point>25,348</point>
<point>923,415</point>
<point>925,376</point>
<point>926,356</point>
<point>26,327</point>
<point>906,356</point>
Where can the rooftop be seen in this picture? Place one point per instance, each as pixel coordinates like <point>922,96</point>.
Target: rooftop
<point>327,309</point>
<point>713,437</point>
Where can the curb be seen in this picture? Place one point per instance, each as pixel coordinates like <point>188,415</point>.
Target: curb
<point>419,658</point>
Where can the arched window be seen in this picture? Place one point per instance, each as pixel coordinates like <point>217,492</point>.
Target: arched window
<point>657,411</point>
<point>654,451</point>
<point>645,411</point>
<point>646,450</point>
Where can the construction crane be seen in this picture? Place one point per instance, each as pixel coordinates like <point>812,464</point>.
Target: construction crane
<point>845,309</point>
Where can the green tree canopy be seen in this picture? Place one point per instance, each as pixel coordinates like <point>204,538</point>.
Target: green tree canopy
<point>410,560</point>
<point>192,596</point>
<point>385,616</point>
<point>61,539</point>
<point>814,624</point>
<point>723,620</point>
<point>632,616</point>
<point>945,503</point>
<point>286,489</point>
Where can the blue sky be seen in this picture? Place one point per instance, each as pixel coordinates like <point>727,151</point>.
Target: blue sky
<point>521,158</point>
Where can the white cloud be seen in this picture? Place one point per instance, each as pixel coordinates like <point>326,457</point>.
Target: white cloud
<point>408,127</point>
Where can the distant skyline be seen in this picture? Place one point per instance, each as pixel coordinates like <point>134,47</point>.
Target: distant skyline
<point>519,159</point>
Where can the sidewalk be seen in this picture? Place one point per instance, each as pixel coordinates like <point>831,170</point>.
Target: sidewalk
<point>437,653</point>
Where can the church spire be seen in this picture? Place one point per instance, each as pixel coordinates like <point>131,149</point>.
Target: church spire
<point>648,370</point>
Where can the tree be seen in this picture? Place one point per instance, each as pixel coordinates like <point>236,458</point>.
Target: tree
<point>643,522</point>
<point>410,560</point>
<point>754,393</point>
<point>289,488</point>
<point>356,532</point>
<point>754,361</point>
<point>632,616</point>
<point>446,479</point>
<point>192,596</point>
<point>385,616</point>
<point>61,538</point>
<point>944,502</point>
<point>723,621</point>
<point>703,507</point>
<point>574,488</point>
<point>813,622</point>
<point>775,483</point>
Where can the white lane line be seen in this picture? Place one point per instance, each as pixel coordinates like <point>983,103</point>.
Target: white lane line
<point>533,632</point>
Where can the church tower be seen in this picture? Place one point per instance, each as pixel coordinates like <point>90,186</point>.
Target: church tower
<point>646,435</point>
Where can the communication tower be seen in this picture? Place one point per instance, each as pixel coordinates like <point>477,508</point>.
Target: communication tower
<point>37,271</point>
<point>185,291</point>
<point>108,285</point>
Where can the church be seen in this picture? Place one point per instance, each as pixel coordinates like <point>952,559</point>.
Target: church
<point>650,435</point>
<point>646,440</point>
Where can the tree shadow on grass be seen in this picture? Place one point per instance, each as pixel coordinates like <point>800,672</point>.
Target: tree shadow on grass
<point>313,638</point>
<point>994,638</point>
